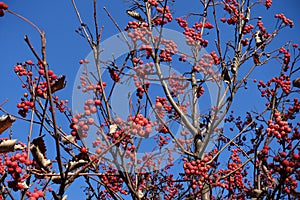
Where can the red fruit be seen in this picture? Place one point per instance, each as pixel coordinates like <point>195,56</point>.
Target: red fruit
<point>50,72</point>
<point>40,193</point>
<point>3,6</point>
<point>296,156</point>
<point>93,109</point>
<point>97,102</point>
<point>285,162</point>
<point>90,121</point>
<point>194,186</point>
<point>29,62</point>
<point>74,132</point>
<point>158,105</point>
<point>282,154</point>
<point>54,76</point>
<point>35,195</point>
<point>19,170</point>
<point>223,19</point>
<point>1,13</point>
<point>41,72</point>
<point>83,150</point>
<point>87,112</point>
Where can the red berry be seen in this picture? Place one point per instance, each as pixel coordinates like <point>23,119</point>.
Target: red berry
<point>83,150</point>
<point>3,6</point>
<point>29,62</point>
<point>97,102</point>
<point>50,72</point>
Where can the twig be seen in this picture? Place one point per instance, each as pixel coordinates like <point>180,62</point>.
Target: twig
<point>26,20</point>
<point>118,27</point>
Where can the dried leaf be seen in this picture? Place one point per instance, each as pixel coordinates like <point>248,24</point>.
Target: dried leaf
<point>10,146</point>
<point>256,59</point>
<point>79,160</point>
<point>112,128</point>
<point>6,122</point>
<point>68,139</point>
<point>258,38</point>
<point>296,82</point>
<point>38,149</point>
<point>59,84</point>
<point>134,15</point>
<point>226,76</point>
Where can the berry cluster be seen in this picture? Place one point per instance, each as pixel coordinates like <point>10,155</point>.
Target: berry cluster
<point>24,106</point>
<point>139,125</point>
<point>21,70</point>
<point>162,103</point>
<point>141,88</point>
<point>164,16</point>
<point>215,57</point>
<point>205,66</point>
<point>142,71</point>
<point>87,86</point>
<point>37,83</point>
<point>198,26</point>
<point>182,57</point>
<point>245,42</point>
<point>235,182</point>
<point>292,110</point>
<point>285,20</point>
<point>232,8</point>
<point>268,3</point>
<point>286,57</point>
<point>35,195</point>
<point>162,140</point>
<point>135,25</point>
<point>177,84</point>
<point>112,180</point>
<point>200,91</point>
<point>171,187</point>
<point>248,28</point>
<point>170,48</point>
<point>3,6</point>
<point>148,49</point>
<point>61,105</point>
<point>197,171</point>
<point>279,128</point>
<point>140,33</point>
<point>153,2</point>
<point>193,35</point>
<point>287,163</point>
<point>15,167</point>
<point>81,122</point>
<point>114,75</point>
<point>282,82</point>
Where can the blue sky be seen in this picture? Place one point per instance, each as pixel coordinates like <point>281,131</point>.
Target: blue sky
<point>65,48</point>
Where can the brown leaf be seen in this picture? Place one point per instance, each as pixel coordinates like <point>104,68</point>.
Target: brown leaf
<point>256,59</point>
<point>296,82</point>
<point>226,76</point>
<point>59,84</point>
<point>134,15</point>
<point>6,122</point>
<point>9,146</point>
<point>39,142</point>
<point>38,149</point>
<point>79,160</point>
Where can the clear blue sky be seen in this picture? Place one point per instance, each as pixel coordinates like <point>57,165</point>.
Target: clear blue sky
<point>65,48</point>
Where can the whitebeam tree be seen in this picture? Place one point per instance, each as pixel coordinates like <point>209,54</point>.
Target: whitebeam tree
<point>153,109</point>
